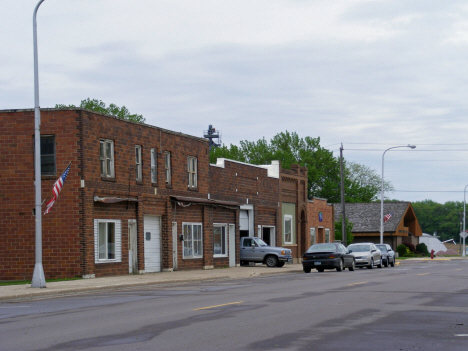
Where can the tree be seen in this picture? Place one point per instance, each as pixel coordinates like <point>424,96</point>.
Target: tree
<point>339,231</point>
<point>112,109</point>
<point>323,168</point>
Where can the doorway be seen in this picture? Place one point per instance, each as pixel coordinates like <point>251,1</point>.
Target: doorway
<point>268,235</point>
<point>132,247</point>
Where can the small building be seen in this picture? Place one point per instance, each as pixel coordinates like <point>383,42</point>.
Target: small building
<point>402,225</point>
<point>321,221</point>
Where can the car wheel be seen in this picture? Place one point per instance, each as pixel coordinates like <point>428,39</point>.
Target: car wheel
<point>393,262</point>
<point>386,262</point>
<point>280,264</point>
<point>306,269</point>
<point>320,270</point>
<point>340,267</point>
<point>271,261</point>
<point>371,264</point>
<point>353,266</point>
<point>380,264</point>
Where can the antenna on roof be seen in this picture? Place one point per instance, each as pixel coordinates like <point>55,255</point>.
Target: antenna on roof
<point>211,134</point>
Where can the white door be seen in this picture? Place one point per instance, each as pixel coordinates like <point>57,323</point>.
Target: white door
<point>152,238</point>
<point>175,240</point>
<point>132,248</point>
<point>232,245</point>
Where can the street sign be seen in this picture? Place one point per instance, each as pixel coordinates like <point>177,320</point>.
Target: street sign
<point>463,235</point>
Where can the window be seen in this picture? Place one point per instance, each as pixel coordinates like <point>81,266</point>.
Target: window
<point>167,166</point>
<point>312,236</point>
<point>192,240</point>
<point>192,171</point>
<point>219,240</point>
<point>107,240</point>
<point>138,163</point>
<point>107,158</point>
<point>327,235</point>
<point>154,166</point>
<point>47,154</point>
<point>288,229</point>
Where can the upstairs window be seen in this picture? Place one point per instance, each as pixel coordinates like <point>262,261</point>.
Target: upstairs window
<point>107,158</point>
<point>167,165</point>
<point>154,166</point>
<point>192,171</point>
<point>138,163</point>
<point>288,228</point>
<point>47,155</point>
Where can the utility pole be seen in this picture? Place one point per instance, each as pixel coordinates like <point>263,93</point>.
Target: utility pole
<point>343,214</point>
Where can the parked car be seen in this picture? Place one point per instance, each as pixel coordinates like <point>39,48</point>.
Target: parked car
<point>366,255</point>
<point>388,255</point>
<point>256,250</point>
<point>327,256</point>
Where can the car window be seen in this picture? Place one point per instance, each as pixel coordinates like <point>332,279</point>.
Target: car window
<point>322,248</point>
<point>247,242</point>
<point>260,242</point>
<point>382,248</point>
<point>359,248</point>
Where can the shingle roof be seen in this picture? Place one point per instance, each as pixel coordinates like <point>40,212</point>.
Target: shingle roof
<point>366,216</point>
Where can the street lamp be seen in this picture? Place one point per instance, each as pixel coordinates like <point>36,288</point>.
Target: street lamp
<point>38,279</point>
<point>382,190</point>
<point>464,215</point>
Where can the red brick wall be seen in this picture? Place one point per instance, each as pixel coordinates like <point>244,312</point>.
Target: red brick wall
<point>315,206</point>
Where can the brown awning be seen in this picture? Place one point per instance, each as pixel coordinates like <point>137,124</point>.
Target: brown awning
<point>205,201</point>
<point>113,200</point>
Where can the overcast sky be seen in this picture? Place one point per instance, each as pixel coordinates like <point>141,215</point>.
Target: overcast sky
<point>368,74</point>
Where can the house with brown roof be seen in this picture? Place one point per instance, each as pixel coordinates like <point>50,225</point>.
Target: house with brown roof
<point>402,225</point>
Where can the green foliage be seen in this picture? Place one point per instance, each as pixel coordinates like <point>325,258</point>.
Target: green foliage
<point>339,231</point>
<point>422,248</point>
<point>444,219</point>
<point>112,109</point>
<point>402,250</point>
<point>323,168</point>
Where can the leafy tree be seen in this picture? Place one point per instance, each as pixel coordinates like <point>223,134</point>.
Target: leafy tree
<point>112,109</point>
<point>339,231</point>
<point>323,168</point>
<point>443,219</point>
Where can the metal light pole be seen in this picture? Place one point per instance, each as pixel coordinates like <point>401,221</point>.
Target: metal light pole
<point>382,190</point>
<point>464,216</point>
<point>38,279</point>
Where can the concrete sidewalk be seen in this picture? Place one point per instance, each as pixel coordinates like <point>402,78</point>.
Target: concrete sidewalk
<point>74,286</point>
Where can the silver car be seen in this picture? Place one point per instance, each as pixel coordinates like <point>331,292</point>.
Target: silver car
<point>366,255</point>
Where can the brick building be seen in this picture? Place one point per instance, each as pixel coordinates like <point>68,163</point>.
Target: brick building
<point>321,221</point>
<point>135,199</point>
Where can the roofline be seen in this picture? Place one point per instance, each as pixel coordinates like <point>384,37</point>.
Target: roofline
<point>110,116</point>
<point>272,170</point>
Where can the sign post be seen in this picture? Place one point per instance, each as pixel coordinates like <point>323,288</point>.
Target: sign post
<point>463,235</point>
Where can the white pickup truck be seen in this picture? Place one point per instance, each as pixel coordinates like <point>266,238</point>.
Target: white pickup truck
<point>256,250</point>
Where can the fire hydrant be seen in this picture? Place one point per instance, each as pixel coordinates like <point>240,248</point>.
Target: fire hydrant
<point>432,254</point>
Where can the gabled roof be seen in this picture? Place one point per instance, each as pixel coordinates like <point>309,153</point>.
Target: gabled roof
<point>366,216</point>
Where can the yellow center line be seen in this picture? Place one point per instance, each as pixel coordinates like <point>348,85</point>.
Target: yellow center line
<point>423,274</point>
<point>459,269</point>
<point>358,283</point>
<point>204,308</point>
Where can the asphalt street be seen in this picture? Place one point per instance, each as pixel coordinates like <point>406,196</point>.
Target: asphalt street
<point>415,306</point>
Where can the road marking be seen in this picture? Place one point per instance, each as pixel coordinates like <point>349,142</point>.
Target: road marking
<point>461,334</point>
<point>14,306</point>
<point>424,274</point>
<point>204,308</point>
<point>459,269</point>
<point>358,283</point>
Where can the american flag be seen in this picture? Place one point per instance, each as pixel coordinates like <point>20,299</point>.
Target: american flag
<point>387,217</point>
<point>58,185</point>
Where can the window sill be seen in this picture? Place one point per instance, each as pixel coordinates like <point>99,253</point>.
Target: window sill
<point>155,185</point>
<point>192,258</point>
<point>139,182</point>
<point>107,261</point>
<point>48,177</point>
<point>168,186</point>
<point>220,256</point>
<point>192,189</point>
<point>108,179</point>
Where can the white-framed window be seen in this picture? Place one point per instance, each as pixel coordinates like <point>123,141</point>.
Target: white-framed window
<point>167,166</point>
<point>138,172</point>
<point>154,165</point>
<point>288,229</point>
<point>327,235</point>
<point>193,243</point>
<point>107,240</point>
<point>107,158</point>
<point>312,236</point>
<point>192,171</point>
<point>219,240</point>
